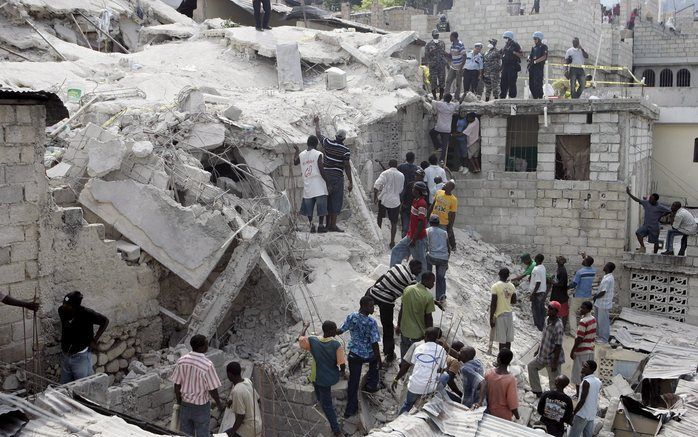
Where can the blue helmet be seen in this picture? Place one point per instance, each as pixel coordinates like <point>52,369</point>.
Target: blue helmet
<point>538,35</point>
<point>508,34</point>
<point>443,18</point>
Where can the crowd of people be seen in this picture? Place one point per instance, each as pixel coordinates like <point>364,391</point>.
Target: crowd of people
<point>492,73</point>
<point>436,366</point>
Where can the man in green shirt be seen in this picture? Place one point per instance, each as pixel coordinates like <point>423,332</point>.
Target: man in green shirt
<point>415,313</point>
<point>529,264</point>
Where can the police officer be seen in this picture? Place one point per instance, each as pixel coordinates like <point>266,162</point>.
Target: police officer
<point>443,25</point>
<point>435,58</point>
<point>511,65</point>
<point>536,64</point>
<point>493,68</point>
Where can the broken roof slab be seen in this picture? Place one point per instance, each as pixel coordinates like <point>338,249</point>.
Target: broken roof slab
<point>311,48</point>
<point>187,244</point>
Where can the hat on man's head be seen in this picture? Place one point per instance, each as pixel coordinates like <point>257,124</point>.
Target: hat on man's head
<point>555,304</point>
<point>73,298</point>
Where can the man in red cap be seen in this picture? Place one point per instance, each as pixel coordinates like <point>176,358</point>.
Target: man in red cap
<point>549,354</point>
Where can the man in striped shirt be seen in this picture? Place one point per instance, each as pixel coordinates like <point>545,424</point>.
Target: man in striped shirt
<point>195,379</point>
<point>336,162</point>
<point>583,349</point>
<point>387,289</point>
<point>582,283</point>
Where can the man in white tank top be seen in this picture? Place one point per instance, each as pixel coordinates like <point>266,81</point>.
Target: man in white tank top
<point>588,405</point>
<point>314,187</point>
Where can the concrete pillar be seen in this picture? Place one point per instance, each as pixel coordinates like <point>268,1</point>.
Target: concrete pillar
<point>376,14</point>
<point>346,10</point>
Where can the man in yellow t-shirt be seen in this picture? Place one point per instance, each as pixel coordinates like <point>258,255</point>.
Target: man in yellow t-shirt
<point>445,206</point>
<point>501,315</point>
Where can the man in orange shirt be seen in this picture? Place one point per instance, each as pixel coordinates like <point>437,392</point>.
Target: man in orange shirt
<point>500,388</point>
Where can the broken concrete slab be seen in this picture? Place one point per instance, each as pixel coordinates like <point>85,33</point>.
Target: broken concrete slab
<point>165,32</point>
<point>216,302</point>
<point>335,78</point>
<point>288,66</point>
<point>129,251</point>
<point>105,157</point>
<point>232,113</point>
<point>187,244</point>
<point>193,102</point>
<point>206,136</point>
<point>311,48</point>
<point>58,171</point>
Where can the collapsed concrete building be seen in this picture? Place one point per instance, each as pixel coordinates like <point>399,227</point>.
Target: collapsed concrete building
<point>164,190</point>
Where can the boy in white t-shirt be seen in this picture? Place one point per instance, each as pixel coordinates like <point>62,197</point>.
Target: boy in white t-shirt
<point>539,292</point>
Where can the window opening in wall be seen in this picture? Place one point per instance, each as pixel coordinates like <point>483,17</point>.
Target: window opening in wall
<point>590,118</point>
<point>648,75</point>
<point>695,150</point>
<point>666,78</point>
<point>522,143</point>
<point>683,78</point>
<point>572,157</point>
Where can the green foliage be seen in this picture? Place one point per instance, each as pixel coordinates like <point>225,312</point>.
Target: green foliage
<point>366,4</point>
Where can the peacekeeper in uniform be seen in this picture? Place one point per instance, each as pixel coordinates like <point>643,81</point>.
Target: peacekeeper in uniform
<point>536,65</point>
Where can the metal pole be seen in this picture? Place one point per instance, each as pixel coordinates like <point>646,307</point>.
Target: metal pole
<point>14,53</point>
<point>44,38</point>
<point>81,32</point>
<point>104,33</point>
<point>596,63</point>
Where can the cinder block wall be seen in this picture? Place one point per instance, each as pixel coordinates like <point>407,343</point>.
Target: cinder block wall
<point>534,212</point>
<point>22,201</point>
<point>46,252</point>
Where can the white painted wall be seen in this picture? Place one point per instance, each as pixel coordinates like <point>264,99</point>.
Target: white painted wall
<point>673,170</point>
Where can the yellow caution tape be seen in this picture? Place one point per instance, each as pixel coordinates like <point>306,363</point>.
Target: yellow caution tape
<point>600,81</point>
<point>591,67</point>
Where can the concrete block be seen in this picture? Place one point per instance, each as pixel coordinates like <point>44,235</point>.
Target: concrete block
<point>147,384</point>
<point>24,251</point>
<point>104,157</point>
<point>11,194</point>
<point>11,234</point>
<point>72,217</point>
<point>21,134</point>
<point>20,173</point>
<point>24,213</point>
<point>13,272</point>
<point>4,255</point>
<point>142,149</point>
<point>205,136</point>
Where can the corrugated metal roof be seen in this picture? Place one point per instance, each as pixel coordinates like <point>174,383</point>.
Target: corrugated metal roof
<point>492,426</point>
<point>673,345</point>
<point>689,421</point>
<point>24,94</point>
<point>443,417</point>
<point>55,414</point>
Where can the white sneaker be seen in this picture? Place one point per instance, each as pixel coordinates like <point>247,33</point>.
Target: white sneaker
<point>465,170</point>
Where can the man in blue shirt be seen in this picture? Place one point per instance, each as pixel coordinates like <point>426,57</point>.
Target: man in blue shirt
<point>363,348</point>
<point>474,65</point>
<point>472,372</point>
<point>582,284</point>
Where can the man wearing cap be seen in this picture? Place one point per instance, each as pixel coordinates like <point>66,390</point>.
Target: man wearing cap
<point>536,64</point>
<point>492,69</point>
<point>438,252</point>
<point>414,243</point>
<point>549,355</point>
<point>435,58</point>
<point>78,337</point>
<point>511,65</point>
<point>472,73</point>
<point>336,162</point>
